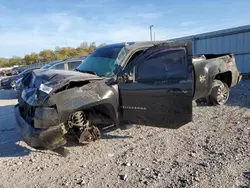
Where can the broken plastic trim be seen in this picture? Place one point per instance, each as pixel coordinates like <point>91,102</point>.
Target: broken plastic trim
<point>45,89</point>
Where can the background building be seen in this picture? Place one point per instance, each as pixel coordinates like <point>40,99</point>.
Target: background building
<point>235,40</point>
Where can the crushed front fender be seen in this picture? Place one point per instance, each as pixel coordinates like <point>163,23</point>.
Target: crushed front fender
<point>50,138</point>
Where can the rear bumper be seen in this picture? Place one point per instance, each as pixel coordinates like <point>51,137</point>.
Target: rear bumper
<point>49,138</point>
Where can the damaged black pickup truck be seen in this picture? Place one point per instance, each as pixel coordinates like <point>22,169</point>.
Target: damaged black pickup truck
<point>148,83</point>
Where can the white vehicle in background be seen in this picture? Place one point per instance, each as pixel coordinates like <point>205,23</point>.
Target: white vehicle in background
<point>66,64</point>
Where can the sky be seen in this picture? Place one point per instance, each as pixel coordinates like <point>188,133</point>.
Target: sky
<point>28,26</point>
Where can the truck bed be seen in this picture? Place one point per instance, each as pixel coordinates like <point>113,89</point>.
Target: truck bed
<point>208,67</point>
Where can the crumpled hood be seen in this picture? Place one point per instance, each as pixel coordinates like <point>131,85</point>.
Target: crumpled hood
<point>55,79</point>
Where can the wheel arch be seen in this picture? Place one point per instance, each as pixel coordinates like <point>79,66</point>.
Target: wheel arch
<point>225,77</point>
<point>102,107</point>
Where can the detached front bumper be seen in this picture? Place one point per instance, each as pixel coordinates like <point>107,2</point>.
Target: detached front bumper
<point>40,138</point>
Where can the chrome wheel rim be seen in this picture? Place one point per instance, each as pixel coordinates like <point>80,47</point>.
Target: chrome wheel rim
<point>222,94</point>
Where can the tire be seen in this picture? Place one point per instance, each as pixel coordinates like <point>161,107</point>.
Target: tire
<point>219,94</point>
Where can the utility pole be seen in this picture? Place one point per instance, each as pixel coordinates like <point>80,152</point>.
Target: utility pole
<point>150,27</point>
<point>154,36</point>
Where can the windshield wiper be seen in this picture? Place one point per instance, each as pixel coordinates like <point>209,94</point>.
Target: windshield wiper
<point>83,71</point>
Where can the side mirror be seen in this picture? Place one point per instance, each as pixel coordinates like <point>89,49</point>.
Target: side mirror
<point>127,77</point>
<point>124,78</point>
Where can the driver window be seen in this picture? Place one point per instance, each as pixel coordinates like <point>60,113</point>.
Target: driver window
<point>135,55</point>
<point>163,65</point>
<point>129,67</point>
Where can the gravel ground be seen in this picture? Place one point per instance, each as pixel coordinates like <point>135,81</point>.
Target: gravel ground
<point>212,151</point>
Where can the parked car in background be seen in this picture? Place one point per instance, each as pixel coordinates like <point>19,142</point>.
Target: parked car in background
<point>9,82</point>
<point>66,64</point>
<point>16,71</point>
<point>52,64</point>
<point>8,72</point>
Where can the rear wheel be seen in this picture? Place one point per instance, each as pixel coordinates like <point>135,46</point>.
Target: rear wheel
<point>219,94</point>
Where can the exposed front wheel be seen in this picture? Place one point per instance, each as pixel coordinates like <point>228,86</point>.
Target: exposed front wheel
<point>220,93</point>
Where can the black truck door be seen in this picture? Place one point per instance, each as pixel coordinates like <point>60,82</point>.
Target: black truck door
<point>160,94</point>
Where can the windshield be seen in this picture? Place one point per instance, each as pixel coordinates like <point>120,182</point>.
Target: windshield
<point>104,61</point>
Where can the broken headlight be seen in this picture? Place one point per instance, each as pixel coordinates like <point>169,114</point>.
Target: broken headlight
<point>44,88</point>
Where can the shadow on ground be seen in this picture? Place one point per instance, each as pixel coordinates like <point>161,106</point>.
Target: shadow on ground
<point>109,136</point>
<point>9,135</point>
<point>11,149</point>
<point>8,94</point>
<point>72,141</point>
<point>246,180</point>
<point>240,95</point>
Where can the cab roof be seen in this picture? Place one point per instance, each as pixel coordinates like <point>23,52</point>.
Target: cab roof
<point>135,44</point>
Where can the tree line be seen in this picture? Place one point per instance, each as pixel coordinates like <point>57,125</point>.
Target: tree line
<point>48,55</point>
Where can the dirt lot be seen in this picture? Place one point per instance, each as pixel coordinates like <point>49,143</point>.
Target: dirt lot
<point>212,151</point>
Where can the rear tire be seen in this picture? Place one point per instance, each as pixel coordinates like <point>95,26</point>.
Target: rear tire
<point>219,94</point>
